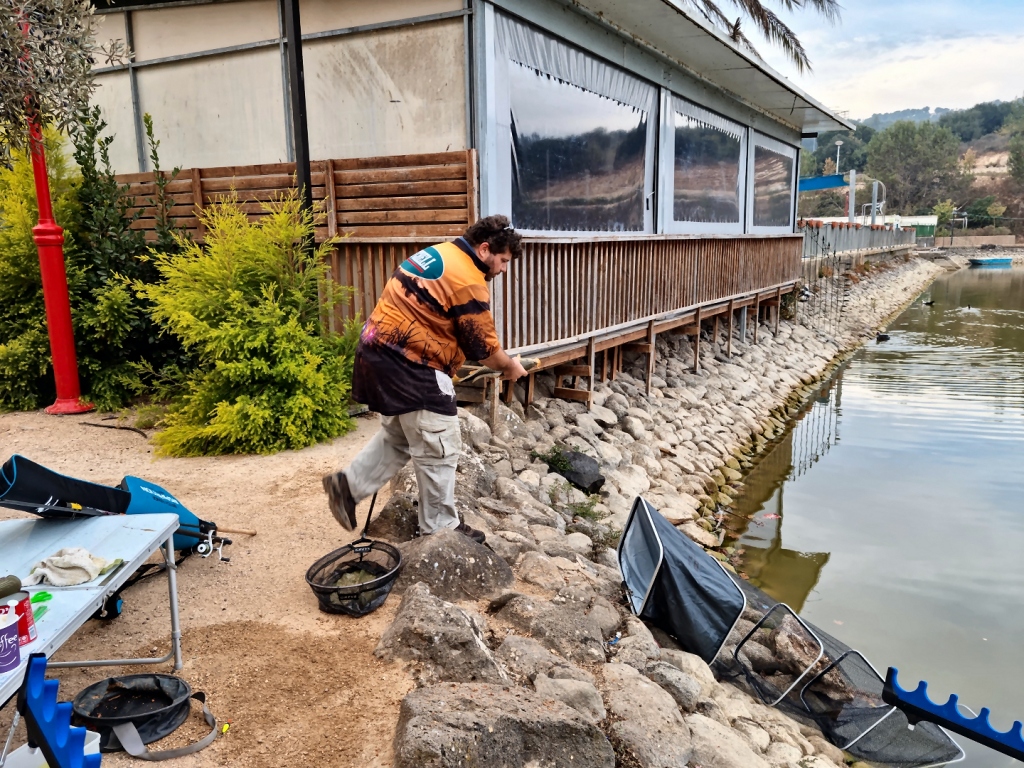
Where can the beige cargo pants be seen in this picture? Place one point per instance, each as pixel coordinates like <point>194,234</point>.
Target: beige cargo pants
<point>433,442</point>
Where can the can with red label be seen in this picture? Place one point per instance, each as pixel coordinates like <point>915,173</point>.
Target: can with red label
<point>23,607</point>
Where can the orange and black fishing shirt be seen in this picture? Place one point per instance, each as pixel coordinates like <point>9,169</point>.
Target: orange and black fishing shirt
<point>434,313</point>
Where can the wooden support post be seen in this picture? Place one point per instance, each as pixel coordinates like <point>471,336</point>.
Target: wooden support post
<point>494,403</point>
<point>650,354</point>
<point>696,344</point>
<point>616,361</point>
<point>757,316</point>
<point>592,362</point>
<point>732,318</point>
<point>778,308</point>
<point>717,329</point>
<point>604,366</point>
<point>509,390</point>
<point>531,380</point>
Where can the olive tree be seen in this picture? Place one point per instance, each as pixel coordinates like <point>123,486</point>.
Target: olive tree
<point>47,49</point>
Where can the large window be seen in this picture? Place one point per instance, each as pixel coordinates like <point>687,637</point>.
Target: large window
<point>580,137</point>
<point>773,182</point>
<point>578,158</point>
<point>702,170</point>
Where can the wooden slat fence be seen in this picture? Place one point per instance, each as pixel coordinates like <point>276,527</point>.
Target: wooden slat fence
<point>565,290</point>
<point>426,195</point>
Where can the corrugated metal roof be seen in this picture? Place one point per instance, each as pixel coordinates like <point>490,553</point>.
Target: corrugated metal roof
<point>691,41</point>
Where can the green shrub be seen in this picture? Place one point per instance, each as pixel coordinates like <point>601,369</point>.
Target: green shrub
<point>114,329</point>
<point>248,304</point>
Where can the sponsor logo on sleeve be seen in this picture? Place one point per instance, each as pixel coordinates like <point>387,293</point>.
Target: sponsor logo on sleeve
<point>426,264</point>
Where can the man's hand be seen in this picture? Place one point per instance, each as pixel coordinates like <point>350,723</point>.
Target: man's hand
<point>511,368</point>
<point>514,370</point>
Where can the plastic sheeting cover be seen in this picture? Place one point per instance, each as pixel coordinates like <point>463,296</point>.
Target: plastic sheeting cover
<point>581,136</point>
<point>689,595</point>
<point>707,181</point>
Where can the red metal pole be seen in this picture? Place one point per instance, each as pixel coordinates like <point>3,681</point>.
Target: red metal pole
<point>49,238</point>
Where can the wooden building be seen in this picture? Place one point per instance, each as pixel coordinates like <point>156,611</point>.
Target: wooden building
<point>651,162</point>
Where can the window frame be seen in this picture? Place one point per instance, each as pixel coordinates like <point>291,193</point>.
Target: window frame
<point>781,148</point>
<point>667,224</point>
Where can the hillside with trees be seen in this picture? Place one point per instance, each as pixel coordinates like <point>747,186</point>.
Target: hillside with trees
<point>959,163</point>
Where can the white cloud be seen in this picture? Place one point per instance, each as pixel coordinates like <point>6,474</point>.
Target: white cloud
<point>941,73</point>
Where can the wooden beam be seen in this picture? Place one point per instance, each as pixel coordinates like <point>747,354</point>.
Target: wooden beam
<point>696,345</point>
<point>757,319</point>
<point>778,308</point>
<point>717,330</point>
<point>567,393</point>
<point>531,380</point>
<point>573,370</point>
<point>591,363</point>
<point>651,352</point>
<point>643,347</point>
<point>732,318</point>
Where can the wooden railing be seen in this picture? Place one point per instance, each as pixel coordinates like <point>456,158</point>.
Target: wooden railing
<point>427,195</point>
<point>563,291</point>
<point>566,290</point>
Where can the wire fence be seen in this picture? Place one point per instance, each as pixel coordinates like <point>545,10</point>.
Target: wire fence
<point>824,287</point>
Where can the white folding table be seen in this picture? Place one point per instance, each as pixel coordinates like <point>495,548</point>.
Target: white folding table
<point>133,538</point>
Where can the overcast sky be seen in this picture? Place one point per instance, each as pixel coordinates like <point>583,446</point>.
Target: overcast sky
<point>887,55</point>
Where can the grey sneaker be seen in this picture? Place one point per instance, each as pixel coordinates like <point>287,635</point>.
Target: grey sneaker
<point>340,501</point>
<point>473,533</point>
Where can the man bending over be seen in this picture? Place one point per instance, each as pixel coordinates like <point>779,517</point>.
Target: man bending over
<point>433,315</point>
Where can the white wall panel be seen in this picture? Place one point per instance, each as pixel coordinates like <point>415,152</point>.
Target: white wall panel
<point>321,15</point>
<point>114,97</point>
<point>107,27</point>
<point>223,110</point>
<point>389,92</point>
<point>187,29</point>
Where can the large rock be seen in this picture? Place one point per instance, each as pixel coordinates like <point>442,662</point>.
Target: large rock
<point>692,665</point>
<point>583,471</point>
<point>541,570</point>
<point>454,567</point>
<point>398,520</point>
<point>684,689</point>
<point>518,497</point>
<point>475,431</point>
<point>525,658</point>
<point>564,628</point>
<point>716,746</point>
<point>454,726</point>
<point>445,642</point>
<point>648,724</point>
<point>581,696</point>
<point>630,480</point>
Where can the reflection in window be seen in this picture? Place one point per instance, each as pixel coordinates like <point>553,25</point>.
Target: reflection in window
<point>577,157</point>
<point>707,172</point>
<point>773,188</point>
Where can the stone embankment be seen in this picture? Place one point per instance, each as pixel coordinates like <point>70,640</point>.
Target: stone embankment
<point>509,645</point>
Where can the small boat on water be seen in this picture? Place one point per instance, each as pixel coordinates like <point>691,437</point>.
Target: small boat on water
<point>991,261</point>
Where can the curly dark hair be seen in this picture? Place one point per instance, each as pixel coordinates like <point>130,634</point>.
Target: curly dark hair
<point>497,232</point>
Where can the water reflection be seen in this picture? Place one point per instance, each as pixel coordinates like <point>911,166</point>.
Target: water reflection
<point>918,506</point>
<point>756,524</point>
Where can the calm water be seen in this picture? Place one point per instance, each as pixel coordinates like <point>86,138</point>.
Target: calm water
<point>892,515</point>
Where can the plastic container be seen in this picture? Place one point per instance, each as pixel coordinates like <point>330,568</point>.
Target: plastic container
<point>23,757</point>
<point>23,607</point>
<point>10,648</point>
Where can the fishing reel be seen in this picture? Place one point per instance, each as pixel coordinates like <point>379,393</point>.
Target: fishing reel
<point>209,542</point>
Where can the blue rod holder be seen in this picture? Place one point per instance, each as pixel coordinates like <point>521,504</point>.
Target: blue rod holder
<point>917,707</point>
<point>48,722</point>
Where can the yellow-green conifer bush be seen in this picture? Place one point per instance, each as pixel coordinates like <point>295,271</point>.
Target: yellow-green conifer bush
<point>248,305</point>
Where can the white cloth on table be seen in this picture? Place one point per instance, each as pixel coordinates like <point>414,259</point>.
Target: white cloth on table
<point>67,567</point>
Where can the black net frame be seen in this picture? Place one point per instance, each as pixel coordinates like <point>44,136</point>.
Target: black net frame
<point>377,558</point>
<point>841,694</point>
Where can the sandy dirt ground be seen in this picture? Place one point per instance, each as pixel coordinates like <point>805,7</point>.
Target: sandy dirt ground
<point>299,687</point>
